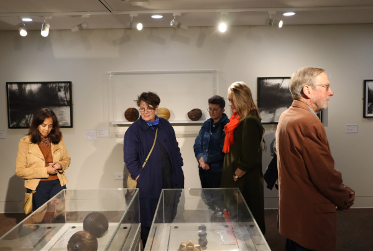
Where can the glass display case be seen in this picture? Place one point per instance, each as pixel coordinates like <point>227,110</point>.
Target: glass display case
<point>204,219</point>
<point>179,90</point>
<point>96,219</point>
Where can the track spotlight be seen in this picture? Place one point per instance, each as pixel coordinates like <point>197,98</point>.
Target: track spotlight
<point>274,22</point>
<point>222,27</point>
<point>223,23</point>
<point>45,29</point>
<point>79,27</point>
<point>22,30</point>
<point>138,26</point>
<point>177,25</point>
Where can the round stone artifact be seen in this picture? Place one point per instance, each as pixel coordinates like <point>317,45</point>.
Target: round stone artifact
<point>131,114</point>
<point>163,113</point>
<point>96,224</point>
<point>195,114</point>
<point>82,241</point>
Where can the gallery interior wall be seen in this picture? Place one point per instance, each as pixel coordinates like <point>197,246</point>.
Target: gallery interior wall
<point>243,53</point>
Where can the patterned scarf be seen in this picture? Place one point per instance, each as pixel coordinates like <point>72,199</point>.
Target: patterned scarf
<point>229,129</point>
<point>45,142</point>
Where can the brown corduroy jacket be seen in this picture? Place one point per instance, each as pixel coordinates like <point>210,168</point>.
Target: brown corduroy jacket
<point>309,186</point>
<point>30,163</point>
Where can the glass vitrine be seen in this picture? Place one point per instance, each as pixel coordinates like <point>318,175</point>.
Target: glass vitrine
<point>204,219</point>
<point>110,216</point>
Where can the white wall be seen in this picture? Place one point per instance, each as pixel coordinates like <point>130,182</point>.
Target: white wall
<point>243,53</point>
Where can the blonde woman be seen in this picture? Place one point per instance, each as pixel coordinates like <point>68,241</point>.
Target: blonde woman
<point>243,154</point>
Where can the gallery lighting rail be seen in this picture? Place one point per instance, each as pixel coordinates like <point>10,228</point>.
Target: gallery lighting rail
<point>188,11</point>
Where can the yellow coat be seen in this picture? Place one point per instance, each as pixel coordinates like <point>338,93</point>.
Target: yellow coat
<point>30,163</point>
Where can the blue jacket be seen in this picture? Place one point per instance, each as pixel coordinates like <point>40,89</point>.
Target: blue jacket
<point>214,156</point>
<point>138,141</point>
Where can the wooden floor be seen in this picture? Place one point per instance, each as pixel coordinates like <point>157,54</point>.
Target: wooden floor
<point>355,229</point>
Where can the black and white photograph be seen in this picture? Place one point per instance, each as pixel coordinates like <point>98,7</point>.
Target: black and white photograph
<point>368,98</point>
<point>25,98</point>
<point>274,98</point>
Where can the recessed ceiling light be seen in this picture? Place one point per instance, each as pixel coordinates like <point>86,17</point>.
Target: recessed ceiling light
<point>157,16</point>
<point>288,14</point>
<point>26,19</point>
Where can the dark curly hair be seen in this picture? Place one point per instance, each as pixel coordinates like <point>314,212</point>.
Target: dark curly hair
<point>55,135</point>
<point>150,98</point>
<point>217,100</point>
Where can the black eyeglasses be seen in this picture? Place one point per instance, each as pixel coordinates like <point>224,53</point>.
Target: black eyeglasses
<point>214,110</point>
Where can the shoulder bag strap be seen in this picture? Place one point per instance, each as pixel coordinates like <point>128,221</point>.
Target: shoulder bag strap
<point>155,138</point>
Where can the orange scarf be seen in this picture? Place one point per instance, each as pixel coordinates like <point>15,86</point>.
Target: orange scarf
<point>229,128</point>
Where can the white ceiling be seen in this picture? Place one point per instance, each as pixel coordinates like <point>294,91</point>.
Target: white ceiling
<point>104,14</point>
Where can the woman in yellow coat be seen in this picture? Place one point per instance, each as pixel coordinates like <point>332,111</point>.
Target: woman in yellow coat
<point>42,158</point>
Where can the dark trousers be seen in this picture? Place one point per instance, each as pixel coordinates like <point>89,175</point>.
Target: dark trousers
<point>293,246</point>
<point>144,235</point>
<point>209,179</point>
<point>44,192</point>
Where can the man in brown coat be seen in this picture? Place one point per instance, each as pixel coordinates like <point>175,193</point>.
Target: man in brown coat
<point>310,189</point>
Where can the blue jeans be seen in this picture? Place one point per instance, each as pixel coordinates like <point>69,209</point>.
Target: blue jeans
<point>44,192</point>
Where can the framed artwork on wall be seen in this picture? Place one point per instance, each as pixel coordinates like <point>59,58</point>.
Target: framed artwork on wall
<point>25,98</point>
<point>368,99</point>
<point>274,98</point>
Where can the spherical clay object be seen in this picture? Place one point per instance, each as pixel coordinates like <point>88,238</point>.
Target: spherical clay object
<point>82,241</point>
<point>131,114</point>
<point>163,113</point>
<point>195,114</point>
<point>96,224</point>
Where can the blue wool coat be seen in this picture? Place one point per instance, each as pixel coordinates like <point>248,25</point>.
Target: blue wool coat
<point>138,141</point>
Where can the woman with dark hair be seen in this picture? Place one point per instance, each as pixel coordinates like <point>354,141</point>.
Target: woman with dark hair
<point>242,166</point>
<point>162,170</point>
<point>42,158</point>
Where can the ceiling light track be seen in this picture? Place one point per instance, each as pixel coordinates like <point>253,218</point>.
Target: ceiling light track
<point>336,8</point>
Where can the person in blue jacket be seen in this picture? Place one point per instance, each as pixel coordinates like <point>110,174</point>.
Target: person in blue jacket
<point>209,144</point>
<point>163,168</point>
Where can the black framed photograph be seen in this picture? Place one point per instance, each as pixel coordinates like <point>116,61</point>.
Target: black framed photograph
<point>25,98</point>
<point>274,98</point>
<point>368,99</point>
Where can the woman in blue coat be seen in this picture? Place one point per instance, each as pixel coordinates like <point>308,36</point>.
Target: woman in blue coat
<point>163,168</point>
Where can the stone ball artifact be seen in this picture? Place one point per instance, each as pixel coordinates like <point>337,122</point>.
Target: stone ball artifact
<point>195,114</point>
<point>82,241</point>
<point>96,224</point>
<point>163,113</point>
<point>131,114</point>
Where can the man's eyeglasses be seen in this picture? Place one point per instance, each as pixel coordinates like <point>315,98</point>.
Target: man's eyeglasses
<point>325,86</point>
<point>213,110</point>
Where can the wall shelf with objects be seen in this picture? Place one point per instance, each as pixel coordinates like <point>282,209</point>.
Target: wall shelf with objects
<point>179,91</point>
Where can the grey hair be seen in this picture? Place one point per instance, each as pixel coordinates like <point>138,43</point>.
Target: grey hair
<point>302,77</point>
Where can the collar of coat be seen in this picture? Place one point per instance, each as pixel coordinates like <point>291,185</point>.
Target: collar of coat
<point>144,126</point>
<point>34,148</point>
